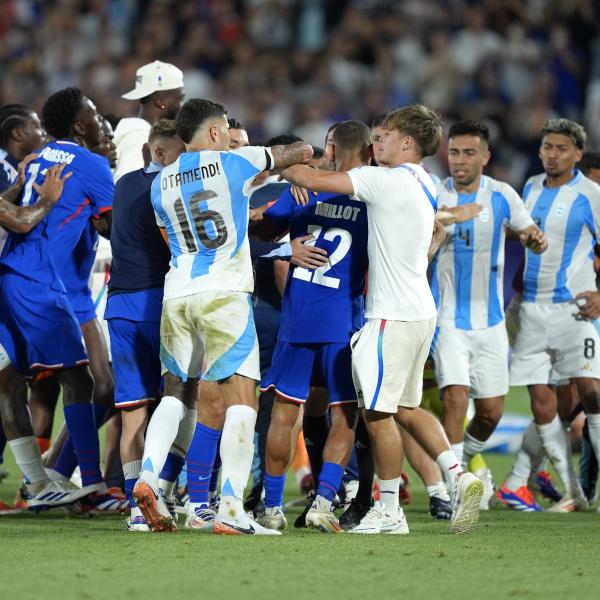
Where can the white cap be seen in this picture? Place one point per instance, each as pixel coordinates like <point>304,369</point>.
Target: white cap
<point>155,77</point>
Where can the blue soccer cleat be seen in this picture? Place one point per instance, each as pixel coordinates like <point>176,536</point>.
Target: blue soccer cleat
<point>520,499</point>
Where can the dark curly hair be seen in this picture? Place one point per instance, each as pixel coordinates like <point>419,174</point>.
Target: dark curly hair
<point>193,114</point>
<point>60,112</point>
<point>12,116</point>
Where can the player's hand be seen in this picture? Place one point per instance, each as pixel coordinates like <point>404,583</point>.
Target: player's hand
<point>534,240</point>
<point>301,195</point>
<point>464,212</point>
<point>589,305</point>
<point>306,255</point>
<point>22,166</point>
<point>53,185</point>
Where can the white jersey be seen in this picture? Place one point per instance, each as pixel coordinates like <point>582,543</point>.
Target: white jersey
<point>202,202</point>
<point>130,136</point>
<point>401,218</point>
<point>569,215</point>
<point>468,270</point>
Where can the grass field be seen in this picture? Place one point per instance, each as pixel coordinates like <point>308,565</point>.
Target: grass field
<point>510,555</point>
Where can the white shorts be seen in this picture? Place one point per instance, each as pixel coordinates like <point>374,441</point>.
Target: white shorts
<point>476,358</point>
<point>388,358</point>
<point>552,345</point>
<point>214,327</point>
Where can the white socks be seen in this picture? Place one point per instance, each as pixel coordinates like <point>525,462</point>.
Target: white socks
<point>458,450</point>
<point>161,433</point>
<point>471,447</point>
<point>529,458</point>
<point>438,490</point>
<point>558,449</point>
<point>389,489</point>
<point>28,458</point>
<point>237,452</point>
<point>593,422</point>
<point>449,466</point>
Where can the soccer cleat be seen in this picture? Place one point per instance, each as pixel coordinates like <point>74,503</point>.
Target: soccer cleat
<point>353,515</point>
<point>200,518</point>
<point>322,518</point>
<point>519,499</point>
<point>109,502</point>
<point>148,503</point>
<point>465,500</point>
<point>300,521</point>
<point>52,495</point>
<point>545,485</point>
<point>273,518</point>
<point>440,508</point>
<point>136,524</point>
<point>243,525</point>
<point>378,521</point>
<point>170,503</point>
<point>576,501</point>
<point>6,510</point>
<point>489,491</point>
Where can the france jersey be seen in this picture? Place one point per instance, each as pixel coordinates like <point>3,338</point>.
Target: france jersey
<point>202,202</point>
<point>569,216</point>
<point>467,272</point>
<point>45,252</point>
<point>324,305</point>
<point>8,175</point>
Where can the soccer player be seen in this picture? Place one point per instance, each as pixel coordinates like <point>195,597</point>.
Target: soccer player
<point>201,202</point>
<point>589,165</point>
<point>322,307</point>
<point>140,263</point>
<point>159,90</point>
<point>389,352</point>
<point>557,338</point>
<point>470,350</point>
<point>238,136</point>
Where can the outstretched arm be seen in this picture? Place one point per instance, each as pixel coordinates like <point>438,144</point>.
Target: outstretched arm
<point>319,180</point>
<point>22,219</point>
<point>291,154</point>
<point>438,237</point>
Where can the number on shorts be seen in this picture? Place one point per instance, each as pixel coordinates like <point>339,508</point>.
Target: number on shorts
<point>465,234</point>
<point>589,348</point>
<point>200,220</point>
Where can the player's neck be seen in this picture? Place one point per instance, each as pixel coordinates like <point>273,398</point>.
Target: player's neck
<point>347,163</point>
<point>469,188</point>
<point>403,158</point>
<point>15,150</point>
<point>558,180</point>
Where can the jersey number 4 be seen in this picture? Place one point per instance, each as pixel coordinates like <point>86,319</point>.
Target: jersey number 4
<point>319,276</point>
<point>200,219</point>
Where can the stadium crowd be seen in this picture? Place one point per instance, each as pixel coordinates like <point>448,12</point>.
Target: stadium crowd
<point>347,314</point>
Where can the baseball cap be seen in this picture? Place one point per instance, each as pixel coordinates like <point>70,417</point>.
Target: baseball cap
<point>155,77</point>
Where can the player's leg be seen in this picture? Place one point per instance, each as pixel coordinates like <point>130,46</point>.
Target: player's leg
<point>589,392</point>
<point>44,390</point>
<point>202,454</point>
<point>315,425</point>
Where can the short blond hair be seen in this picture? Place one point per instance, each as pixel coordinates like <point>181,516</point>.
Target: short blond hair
<point>423,124</point>
<point>165,128</point>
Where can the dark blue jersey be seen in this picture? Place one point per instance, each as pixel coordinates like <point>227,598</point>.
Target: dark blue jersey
<point>140,254</point>
<point>44,254</point>
<point>324,305</point>
<point>9,170</point>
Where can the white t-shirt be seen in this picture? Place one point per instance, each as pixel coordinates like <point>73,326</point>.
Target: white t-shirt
<point>401,220</point>
<point>130,136</point>
<point>202,201</point>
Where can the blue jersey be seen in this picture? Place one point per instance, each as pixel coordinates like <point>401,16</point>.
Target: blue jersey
<point>569,216</point>
<point>9,170</point>
<point>76,275</point>
<point>44,254</point>
<point>324,305</point>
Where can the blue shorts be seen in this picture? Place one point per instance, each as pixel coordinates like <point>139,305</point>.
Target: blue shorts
<point>135,349</point>
<point>295,367</point>
<point>39,330</point>
<point>83,305</point>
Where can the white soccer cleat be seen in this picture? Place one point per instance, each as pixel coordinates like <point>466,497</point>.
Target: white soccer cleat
<point>466,495</point>
<point>320,516</point>
<point>489,489</point>
<point>378,521</point>
<point>243,525</point>
<point>576,501</point>
<point>200,518</point>
<point>137,524</point>
<point>273,518</point>
<point>170,503</point>
<point>54,494</point>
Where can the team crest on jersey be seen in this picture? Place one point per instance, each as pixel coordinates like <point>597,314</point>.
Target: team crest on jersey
<point>484,215</point>
<point>560,208</point>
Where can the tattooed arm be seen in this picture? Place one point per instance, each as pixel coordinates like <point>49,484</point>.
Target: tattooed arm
<point>292,154</point>
<point>22,219</point>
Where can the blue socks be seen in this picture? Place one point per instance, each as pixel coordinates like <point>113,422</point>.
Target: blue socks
<point>172,467</point>
<point>274,485</point>
<point>200,463</point>
<point>330,480</point>
<point>83,435</point>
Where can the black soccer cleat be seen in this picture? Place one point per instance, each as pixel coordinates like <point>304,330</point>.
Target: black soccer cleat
<point>440,509</point>
<point>353,515</point>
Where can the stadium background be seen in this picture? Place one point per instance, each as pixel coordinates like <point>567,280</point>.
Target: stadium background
<point>282,65</point>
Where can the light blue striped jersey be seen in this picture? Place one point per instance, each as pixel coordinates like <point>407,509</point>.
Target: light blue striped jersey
<point>569,215</point>
<point>467,271</point>
<point>202,202</point>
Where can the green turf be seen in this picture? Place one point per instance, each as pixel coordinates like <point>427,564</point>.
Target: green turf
<point>509,555</point>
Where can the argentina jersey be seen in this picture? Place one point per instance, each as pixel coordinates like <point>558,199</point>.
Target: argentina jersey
<point>325,304</point>
<point>202,202</point>
<point>467,272</point>
<point>569,216</point>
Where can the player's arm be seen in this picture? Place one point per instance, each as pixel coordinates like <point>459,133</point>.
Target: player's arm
<point>589,305</point>
<point>319,180</point>
<point>264,229</point>
<point>457,214</point>
<point>291,154</point>
<point>103,224</point>
<point>533,238</point>
<point>13,193</point>
<point>22,219</point>
<point>437,239</point>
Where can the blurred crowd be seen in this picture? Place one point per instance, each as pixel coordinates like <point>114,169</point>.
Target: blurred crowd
<point>300,65</point>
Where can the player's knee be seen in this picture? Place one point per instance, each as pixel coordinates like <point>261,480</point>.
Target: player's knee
<point>490,417</point>
<point>78,385</point>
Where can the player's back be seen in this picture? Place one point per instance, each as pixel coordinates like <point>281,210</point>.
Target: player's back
<point>569,216</point>
<point>201,200</point>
